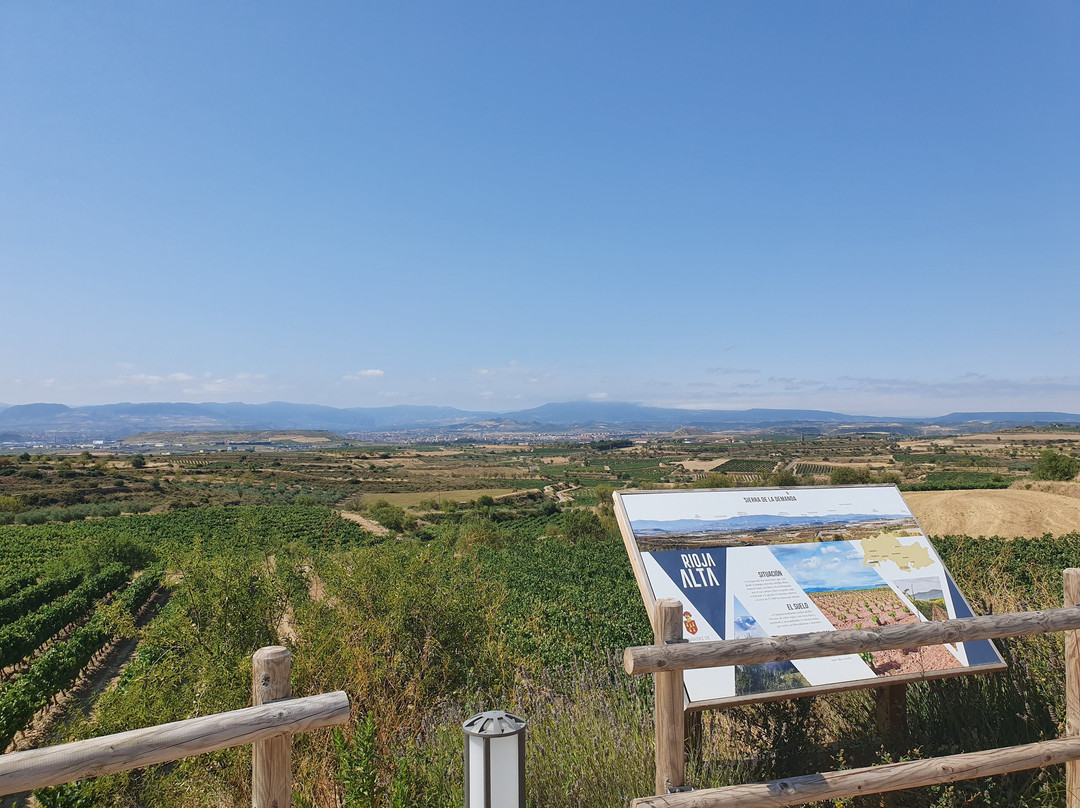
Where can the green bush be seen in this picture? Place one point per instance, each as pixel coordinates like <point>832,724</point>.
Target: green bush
<point>847,475</point>
<point>580,526</point>
<point>1055,466</point>
<point>716,480</point>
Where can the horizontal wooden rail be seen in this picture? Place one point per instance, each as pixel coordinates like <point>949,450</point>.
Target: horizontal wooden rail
<point>53,765</point>
<point>874,779</point>
<point>718,653</point>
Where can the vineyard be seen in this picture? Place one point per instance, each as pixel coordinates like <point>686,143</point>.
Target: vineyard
<point>746,466</point>
<point>960,480</point>
<point>467,603</point>
<point>516,605</point>
<point>813,469</point>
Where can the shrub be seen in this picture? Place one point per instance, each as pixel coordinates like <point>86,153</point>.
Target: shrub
<point>581,525</point>
<point>1055,466</point>
<point>479,531</point>
<point>717,480</point>
<point>847,475</point>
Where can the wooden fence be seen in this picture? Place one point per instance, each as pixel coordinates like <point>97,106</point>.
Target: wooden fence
<point>268,725</point>
<point>667,659</point>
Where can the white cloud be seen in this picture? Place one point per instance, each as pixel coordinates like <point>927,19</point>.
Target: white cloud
<point>241,382</point>
<point>360,375</point>
<point>146,379</point>
<point>597,396</point>
<point>725,370</point>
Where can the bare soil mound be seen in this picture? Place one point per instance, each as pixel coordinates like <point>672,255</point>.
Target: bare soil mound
<point>1010,512</point>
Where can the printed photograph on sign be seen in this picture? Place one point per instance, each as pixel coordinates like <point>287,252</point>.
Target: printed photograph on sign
<point>770,528</point>
<point>765,677</point>
<point>844,582</point>
<point>768,562</point>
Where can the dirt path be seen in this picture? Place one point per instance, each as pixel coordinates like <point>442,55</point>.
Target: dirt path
<point>286,627</point>
<point>564,495</point>
<point>1010,512</point>
<point>317,589</point>
<point>560,494</point>
<point>369,525</point>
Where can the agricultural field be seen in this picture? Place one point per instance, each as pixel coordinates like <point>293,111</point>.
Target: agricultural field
<point>431,583</point>
<point>747,466</point>
<point>422,499</point>
<point>813,469</point>
<point>41,487</point>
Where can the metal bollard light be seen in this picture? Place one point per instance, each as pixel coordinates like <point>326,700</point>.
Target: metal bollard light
<point>494,760</point>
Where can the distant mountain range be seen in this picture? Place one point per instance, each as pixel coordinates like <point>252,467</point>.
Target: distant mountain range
<point>751,523</point>
<point>114,421</point>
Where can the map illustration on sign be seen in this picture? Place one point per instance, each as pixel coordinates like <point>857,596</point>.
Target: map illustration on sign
<point>758,562</point>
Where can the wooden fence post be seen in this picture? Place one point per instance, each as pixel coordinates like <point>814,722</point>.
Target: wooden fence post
<point>271,764</point>
<point>670,731</point>
<point>1072,689</point>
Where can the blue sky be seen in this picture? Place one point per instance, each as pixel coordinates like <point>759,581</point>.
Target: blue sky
<point>864,207</point>
<point>827,567</point>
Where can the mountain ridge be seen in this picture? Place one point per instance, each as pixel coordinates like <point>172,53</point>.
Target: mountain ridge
<point>126,418</point>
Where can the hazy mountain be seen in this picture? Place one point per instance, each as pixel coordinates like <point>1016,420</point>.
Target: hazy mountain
<point>754,522</point>
<point>1009,418</point>
<point>597,412</point>
<point>111,421</point>
<point>33,413</point>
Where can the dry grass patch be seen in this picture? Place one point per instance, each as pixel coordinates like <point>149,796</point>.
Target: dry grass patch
<point>413,499</point>
<point>701,465</point>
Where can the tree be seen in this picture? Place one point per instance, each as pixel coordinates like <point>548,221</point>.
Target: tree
<point>391,516</point>
<point>1055,466</point>
<point>714,480</point>
<point>138,462</point>
<point>581,525</point>
<point>848,475</point>
<point>785,478</point>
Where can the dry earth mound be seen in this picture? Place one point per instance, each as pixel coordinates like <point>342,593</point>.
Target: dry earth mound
<point>1044,508</point>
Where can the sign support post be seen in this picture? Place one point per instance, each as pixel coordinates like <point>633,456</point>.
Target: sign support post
<point>892,716</point>
<point>670,731</point>
<point>1072,688</point>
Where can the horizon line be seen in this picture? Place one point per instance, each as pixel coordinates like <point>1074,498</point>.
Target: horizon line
<point>586,401</point>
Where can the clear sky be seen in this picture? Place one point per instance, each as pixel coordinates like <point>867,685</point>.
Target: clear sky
<point>866,207</point>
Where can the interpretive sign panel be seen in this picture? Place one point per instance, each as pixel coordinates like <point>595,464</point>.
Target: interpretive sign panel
<point>757,562</point>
